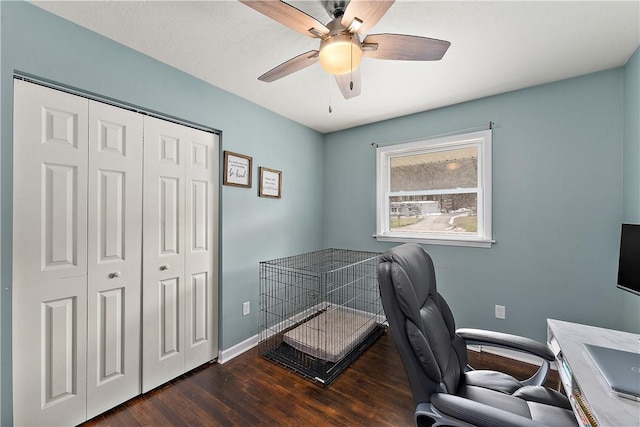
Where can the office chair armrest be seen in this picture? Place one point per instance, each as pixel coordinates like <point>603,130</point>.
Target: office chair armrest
<point>458,408</point>
<point>500,339</point>
<point>512,342</point>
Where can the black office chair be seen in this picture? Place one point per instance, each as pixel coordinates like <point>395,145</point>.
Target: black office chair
<point>434,354</point>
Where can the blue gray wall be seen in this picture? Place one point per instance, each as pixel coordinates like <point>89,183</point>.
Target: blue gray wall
<point>255,229</point>
<point>631,165</point>
<point>557,203</point>
<point>558,183</point>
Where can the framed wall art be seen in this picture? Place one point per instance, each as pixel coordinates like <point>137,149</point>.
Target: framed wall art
<point>270,183</point>
<point>237,170</point>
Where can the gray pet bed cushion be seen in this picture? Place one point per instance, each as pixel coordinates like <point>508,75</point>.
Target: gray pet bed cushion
<point>332,334</point>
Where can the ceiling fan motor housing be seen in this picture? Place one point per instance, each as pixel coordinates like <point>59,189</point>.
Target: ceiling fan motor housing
<point>335,9</point>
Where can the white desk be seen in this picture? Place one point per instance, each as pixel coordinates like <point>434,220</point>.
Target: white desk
<point>567,341</point>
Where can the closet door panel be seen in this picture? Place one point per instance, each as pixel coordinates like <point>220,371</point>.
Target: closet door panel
<point>169,323</point>
<point>49,256</point>
<point>201,247</point>
<point>163,252</point>
<point>114,261</point>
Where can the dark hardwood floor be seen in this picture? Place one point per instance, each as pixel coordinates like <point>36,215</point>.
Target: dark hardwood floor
<point>252,391</point>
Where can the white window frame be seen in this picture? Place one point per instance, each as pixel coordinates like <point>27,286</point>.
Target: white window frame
<point>479,139</point>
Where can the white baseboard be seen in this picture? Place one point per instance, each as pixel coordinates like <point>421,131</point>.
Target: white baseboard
<point>226,355</point>
<point>510,354</point>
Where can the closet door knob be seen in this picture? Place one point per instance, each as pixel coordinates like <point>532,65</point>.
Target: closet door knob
<point>114,275</point>
<point>164,267</point>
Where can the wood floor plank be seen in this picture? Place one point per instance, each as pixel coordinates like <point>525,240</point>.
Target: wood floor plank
<point>252,391</point>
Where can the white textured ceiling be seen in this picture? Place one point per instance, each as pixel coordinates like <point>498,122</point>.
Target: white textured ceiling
<point>495,47</point>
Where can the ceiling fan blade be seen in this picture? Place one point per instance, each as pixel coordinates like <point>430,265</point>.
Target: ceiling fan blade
<point>344,83</point>
<point>367,12</point>
<point>290,66</point>
<point>404,47</point>
<point>289,16</point>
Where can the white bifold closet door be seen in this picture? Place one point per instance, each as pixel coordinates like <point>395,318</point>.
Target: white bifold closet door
<point>76,256</point>
<point>180,246</point>
<point>115,227</point>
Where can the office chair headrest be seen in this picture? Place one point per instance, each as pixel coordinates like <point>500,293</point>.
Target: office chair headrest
<point>418,266</point>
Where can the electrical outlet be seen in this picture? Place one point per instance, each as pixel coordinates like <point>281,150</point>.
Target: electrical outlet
<point>500,312</point>
<point>246,309</point>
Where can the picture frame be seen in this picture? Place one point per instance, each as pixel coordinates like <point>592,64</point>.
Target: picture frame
<point>237,169</point>
<point>270,183</point>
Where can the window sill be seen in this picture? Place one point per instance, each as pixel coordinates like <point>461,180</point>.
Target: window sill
<point>471,243</point>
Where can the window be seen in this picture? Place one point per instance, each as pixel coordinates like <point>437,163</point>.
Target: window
<point>436,191</point>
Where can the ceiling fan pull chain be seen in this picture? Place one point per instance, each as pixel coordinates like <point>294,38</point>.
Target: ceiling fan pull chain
<point>351,74</point>
<point>330,110</point>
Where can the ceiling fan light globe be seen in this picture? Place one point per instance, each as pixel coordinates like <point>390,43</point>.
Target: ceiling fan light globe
<point>340,54</point>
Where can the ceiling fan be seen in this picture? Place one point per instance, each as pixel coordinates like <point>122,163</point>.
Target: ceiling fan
<point>341,49</point>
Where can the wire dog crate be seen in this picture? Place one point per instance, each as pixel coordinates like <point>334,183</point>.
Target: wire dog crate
<point>320,310</point>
